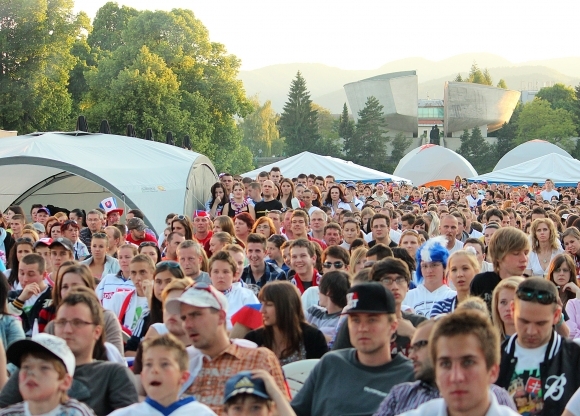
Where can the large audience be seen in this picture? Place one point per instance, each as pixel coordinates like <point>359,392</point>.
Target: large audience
<point>297,296</point>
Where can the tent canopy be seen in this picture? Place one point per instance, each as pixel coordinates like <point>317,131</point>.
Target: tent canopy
<point>527,151</point>
<point>79,170</point>
<point>431,163</point>
<point>342,170</point>
<point>563,170</point>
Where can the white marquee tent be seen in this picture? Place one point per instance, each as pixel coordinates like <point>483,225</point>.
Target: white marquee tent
<point>527,151</point>
<point>79,170</point>
<point>430,164</point>
<point>342,170</point>
<point>563,170</point>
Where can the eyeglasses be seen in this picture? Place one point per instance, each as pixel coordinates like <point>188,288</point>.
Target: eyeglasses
<point>170,264</point>
<point>400,281</point>
<point>74,323</point>
<point>99,235</point>
<point>148,244</point>
<point>542,296</point>
<point>418,345</point>
<point>329,264</point>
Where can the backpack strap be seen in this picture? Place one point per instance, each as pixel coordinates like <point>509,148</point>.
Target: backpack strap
<point>123,311</point>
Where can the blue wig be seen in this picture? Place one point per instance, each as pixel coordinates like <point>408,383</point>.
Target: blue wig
<point>433,250</point>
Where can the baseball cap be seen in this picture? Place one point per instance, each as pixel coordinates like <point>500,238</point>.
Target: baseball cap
<point>200,213</point>
<point>201,295</point>
<point>45,209</point>
<point>370,297</point>
<point>39,227</point>
<point>525,186</point>
<point>62,241</point>
<point>43,242</point>
<point>243,383</point>
<point>136,224</point>
<point>351,184</point>
<point>42,343</point>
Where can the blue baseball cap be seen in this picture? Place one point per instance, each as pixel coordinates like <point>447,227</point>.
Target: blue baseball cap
<point>243,383</point>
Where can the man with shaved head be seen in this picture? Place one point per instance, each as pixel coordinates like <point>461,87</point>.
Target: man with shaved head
<point>268,203</point>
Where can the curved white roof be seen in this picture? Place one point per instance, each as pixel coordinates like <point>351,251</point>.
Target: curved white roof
<point>563,170</point>
<point>342,170</point>
<point>528,151</point>
<point>430,162</point>
<point>79,170</point>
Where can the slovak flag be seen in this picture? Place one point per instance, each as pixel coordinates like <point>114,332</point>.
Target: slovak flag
<point>110,204</point>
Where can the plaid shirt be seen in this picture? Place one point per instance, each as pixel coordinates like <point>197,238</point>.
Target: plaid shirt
<point>209,385</point>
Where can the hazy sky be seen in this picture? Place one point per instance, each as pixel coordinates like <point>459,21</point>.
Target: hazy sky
<point>365,34</point>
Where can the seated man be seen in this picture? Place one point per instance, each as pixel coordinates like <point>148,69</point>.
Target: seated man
<point>464,347</point>
<point>366,372</point>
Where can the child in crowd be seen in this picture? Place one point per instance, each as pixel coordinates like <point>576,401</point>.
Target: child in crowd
<point>165,363</point>
<point>47,366</point>
<point>254,393</point>
<point>130,306</point>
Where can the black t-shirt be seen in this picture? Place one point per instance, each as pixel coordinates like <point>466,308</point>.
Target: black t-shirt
<point>262,207</point>
<point>483,285</point>
<point>392,244</point>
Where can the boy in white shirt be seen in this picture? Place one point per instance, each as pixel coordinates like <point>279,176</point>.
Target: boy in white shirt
<point>130,306</point>
<point>165,363</point>
<point>222,269</point>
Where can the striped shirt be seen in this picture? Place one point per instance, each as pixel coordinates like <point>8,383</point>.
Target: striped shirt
<point>444,306</point>
<point>71,407</point>
<point>409,396</point>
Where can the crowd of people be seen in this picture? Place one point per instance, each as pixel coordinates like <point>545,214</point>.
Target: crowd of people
<point>406,300</point>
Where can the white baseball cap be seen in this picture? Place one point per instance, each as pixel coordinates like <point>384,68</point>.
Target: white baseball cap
<point>201,295</point>
<point>45,343</point>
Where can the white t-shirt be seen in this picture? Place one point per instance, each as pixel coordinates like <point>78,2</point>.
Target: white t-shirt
<point>547,195</point>
<point>109,285</point>
<point>137,307</point>
<point>535,264</point>
<point>422,300</point>
<point>237,297</point>
<point>526,384</point>
<point>183,407</point>
<point>458,246</point>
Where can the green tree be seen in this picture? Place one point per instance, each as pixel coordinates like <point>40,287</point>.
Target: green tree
<point>35,60</point>
<point>476,150</point>
<point>346,125</point>
<point>458,78</point>
<point>564,97</point>
<point>259,128</point>
<point>329,143</point>
<point>368,146</point>
<point>299,121</point>
<point>502,84</point>
<point>209,94</point>
<point>108,26</point>
<point>400,144</point>
<point>538,120</point>
<point>476,76</point>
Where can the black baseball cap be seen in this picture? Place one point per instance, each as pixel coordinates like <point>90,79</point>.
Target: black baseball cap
<point>371,297</point>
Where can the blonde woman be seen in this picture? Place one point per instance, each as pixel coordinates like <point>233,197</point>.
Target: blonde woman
<point>501,299</point>
<point>357,260</point>
<point>544,246</point>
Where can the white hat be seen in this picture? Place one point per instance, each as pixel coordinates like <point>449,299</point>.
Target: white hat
<point>45,343</point>
<point>201,295</point>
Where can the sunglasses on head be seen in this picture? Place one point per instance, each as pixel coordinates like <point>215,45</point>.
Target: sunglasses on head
<point>336,264</point>
<point>24,240</point>
<point>180,217</point>
<point>170,264</point>
<point>148,244</point>
<point>99,235</point>
<point>541,296</point>
<point>206,287</point>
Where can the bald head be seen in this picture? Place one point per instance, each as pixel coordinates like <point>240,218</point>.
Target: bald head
<point>267,189</point>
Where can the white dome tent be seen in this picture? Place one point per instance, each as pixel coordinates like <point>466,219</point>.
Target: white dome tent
<point>342,170</point>
<point>528,151</point>
<point>433,165</point>
<point>79,170</point>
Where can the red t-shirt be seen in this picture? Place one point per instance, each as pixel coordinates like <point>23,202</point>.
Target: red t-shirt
<point>148,237</point>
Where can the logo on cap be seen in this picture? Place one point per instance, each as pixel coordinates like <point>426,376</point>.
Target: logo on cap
<point>108,204</point>
<point>244,382</point>
<point>352,299</point>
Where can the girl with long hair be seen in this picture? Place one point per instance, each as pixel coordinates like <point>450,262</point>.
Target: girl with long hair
<point>285,330</point>
<point>238,203</point>
<point>21,248</point>
<point>182,224</point>
<point>571,243</point>
<point>562,273</point>
<point>100,263</point>
<point>544,246</point>
<point>286,196</point>
<point>335,200</point>
<point>10,326</point>
<point>216,202</point>
<point>501,314</point>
